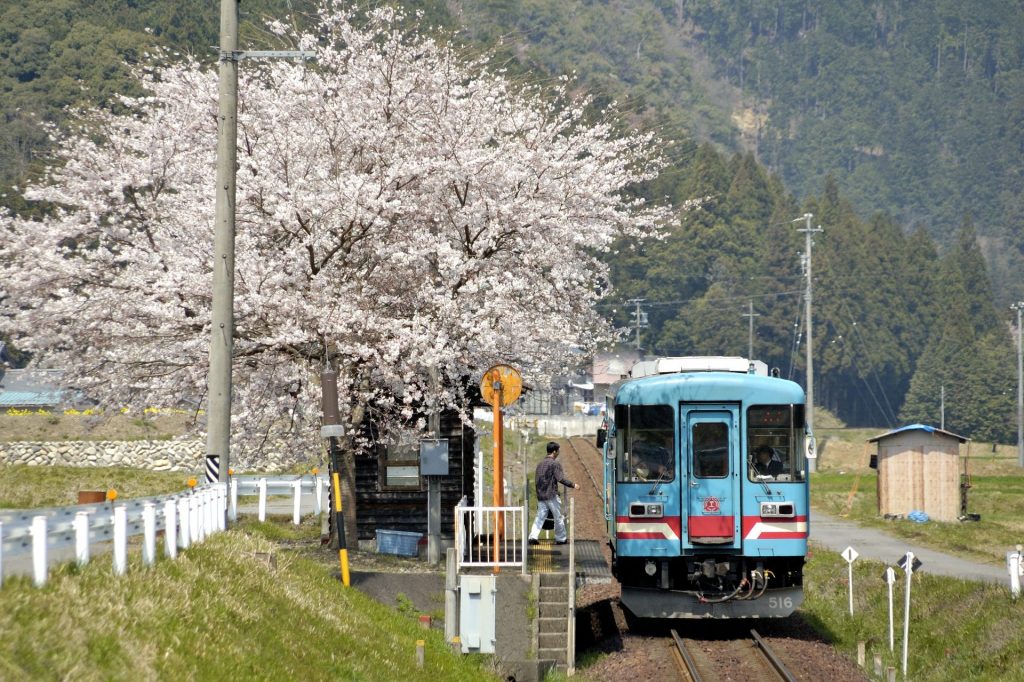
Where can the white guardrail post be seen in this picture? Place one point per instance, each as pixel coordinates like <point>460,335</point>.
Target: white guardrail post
<point>37,537</point>
<point>171,529</point>
<point>120,540</point>
<point>81,525</point>
<point>39,567</point>
<point>148,533</point>
<point>233,508</point>
<point>262,511</point>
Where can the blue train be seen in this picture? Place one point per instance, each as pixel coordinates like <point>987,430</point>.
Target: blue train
<point>706,489</point>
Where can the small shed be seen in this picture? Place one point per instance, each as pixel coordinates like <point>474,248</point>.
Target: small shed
<point>919,469</point>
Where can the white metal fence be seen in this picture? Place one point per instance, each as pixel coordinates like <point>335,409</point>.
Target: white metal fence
<point>490,536</point>
<point>35,539</point>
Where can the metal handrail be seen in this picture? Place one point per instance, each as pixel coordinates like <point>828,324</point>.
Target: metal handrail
<point>490,537</point>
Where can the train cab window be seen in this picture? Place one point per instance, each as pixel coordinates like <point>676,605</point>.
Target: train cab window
<point>775,443</point>
<point>710,449</point>
<point>644,443</point>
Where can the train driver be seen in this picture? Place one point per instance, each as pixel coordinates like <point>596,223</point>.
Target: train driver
<point>766,463</point>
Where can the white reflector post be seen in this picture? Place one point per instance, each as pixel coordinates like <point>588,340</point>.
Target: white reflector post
<point>261,485</point>
<point>39,550</point>
<point>120,539</point>
<point>81,525</point>
<point>171,528</point>
<point>297,503</point>
<point>148,533</point>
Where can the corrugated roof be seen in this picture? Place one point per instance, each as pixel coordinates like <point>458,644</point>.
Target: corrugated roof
<point>29,398</point>
<point>919,427</point>
<point>31,387</point>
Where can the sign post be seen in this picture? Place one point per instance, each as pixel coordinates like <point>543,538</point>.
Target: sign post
<point>909,564</point>
<point>850,554</point>
<point>501,385</point>
<point>890,580</point>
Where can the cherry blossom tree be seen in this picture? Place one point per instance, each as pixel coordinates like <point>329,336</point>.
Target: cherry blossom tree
<point>401,209</point>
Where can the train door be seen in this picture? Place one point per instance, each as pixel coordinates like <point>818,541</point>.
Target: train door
<point>711,439</point>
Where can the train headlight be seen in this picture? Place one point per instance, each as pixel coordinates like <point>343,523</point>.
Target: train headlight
<point>778,510</point>
<point>650,568</point>
<point>646,510</point>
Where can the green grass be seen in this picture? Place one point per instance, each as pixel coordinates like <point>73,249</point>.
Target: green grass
<point>23,487</point>
<point>217,613</point>
<point>959,630</point>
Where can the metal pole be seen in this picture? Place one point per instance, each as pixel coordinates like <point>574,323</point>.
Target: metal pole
<point>434,483</point>
<point>808,231</point>
<point>1020,390</point>
<point>331,429</point>
<point>218,437</point>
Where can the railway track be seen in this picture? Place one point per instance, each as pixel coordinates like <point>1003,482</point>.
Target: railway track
<point>716,660</point>
<point>578,443</point>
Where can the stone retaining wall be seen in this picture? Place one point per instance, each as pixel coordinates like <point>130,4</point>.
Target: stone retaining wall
<point>155,455</point>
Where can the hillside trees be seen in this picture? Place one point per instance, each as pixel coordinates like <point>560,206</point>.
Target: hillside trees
<point>399,209</point>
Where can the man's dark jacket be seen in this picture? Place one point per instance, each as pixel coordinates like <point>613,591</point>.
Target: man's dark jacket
<point>548,476</point>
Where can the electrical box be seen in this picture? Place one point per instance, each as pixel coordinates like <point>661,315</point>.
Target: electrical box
<point>434,456</point>
<point>477,597</point>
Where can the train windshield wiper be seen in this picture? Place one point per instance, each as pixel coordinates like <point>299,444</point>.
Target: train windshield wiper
<point>661,479</point>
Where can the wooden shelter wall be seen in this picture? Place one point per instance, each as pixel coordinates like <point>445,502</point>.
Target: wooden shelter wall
<point>919,472</point>
<point>406,510</point>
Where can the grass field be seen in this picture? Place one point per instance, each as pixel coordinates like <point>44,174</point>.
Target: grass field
<point>215,613</point>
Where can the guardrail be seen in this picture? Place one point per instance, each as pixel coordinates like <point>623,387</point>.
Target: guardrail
<point>58,534</point>
<point>488,537</point>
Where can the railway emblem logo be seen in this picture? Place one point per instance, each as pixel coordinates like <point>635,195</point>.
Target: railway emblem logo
<point>712,505</point>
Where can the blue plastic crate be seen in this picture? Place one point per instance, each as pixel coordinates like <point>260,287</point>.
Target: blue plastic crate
<point>400,542</point>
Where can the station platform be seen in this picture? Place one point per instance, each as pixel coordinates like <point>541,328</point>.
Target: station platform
<point>591,567</point>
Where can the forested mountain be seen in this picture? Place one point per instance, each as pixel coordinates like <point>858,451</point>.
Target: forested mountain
<point>898,124</point>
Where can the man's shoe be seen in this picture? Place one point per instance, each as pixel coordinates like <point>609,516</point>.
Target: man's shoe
<point>561,542</point>
<point>534,541</point>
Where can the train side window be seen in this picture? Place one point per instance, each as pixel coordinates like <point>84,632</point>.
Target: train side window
<point>710,449</point>
<point>644,443</point>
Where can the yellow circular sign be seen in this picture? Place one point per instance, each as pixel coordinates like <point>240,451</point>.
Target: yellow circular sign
<point>501,385</point>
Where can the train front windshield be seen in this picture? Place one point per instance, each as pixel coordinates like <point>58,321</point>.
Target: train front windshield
<point>775,443</point>
<point>645,447</point>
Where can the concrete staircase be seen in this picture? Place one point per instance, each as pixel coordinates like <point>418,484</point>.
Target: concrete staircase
<point>553,619</point>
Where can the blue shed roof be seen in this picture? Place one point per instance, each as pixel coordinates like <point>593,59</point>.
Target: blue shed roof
<point>919,427</point>
<point>31,388</point>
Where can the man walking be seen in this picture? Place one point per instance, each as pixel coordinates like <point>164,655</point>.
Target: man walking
<point>547,477</point>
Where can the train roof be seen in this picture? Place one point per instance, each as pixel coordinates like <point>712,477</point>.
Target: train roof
<point>712,384</point>
<point>698,363</point>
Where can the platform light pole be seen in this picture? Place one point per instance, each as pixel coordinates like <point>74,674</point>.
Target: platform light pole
<point>808,232</point>
<point>1020,389</point>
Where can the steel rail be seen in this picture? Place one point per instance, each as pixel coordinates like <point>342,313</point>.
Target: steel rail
<point>766,650</point>
<point>689,665</point>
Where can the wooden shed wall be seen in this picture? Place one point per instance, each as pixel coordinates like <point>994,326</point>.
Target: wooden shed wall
<point>406,510</point>
<point>919,471</point>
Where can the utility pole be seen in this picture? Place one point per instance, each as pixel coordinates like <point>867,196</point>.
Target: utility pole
<point>750,330</point>
<point>222,323</point>
<point>808,232</point>
<point>639,317</point>
<point>222,327</point>
<point>1020,389</point>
